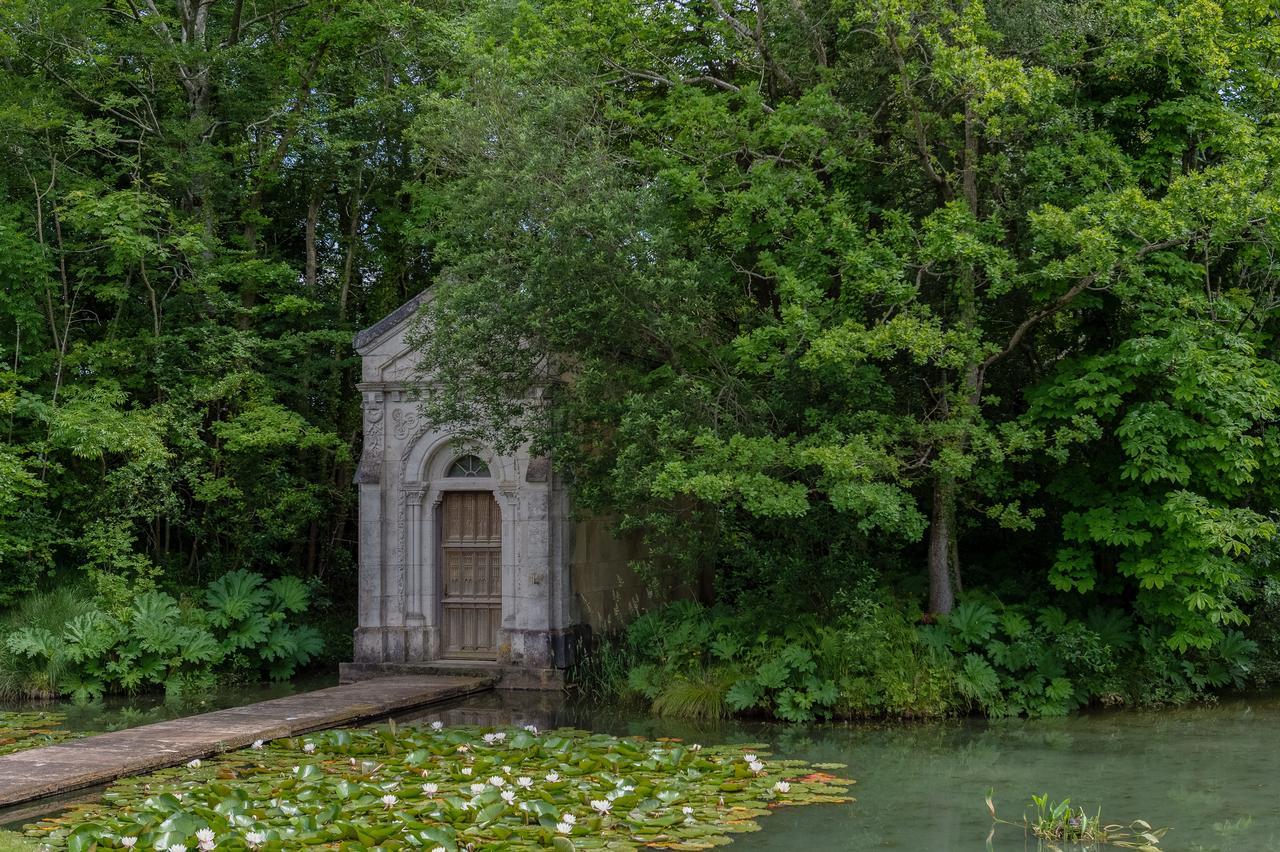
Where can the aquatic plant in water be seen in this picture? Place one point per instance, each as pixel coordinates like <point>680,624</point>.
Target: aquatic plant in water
<point>1058,822</point>
<point>448,788</point>
<point>19,731</point>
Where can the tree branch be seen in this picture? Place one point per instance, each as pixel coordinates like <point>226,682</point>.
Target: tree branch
<point>1068,297</point>
<point>653,77</point>
<point>756,37</point>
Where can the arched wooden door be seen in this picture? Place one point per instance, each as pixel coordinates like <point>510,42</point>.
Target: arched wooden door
<point>471,541</point>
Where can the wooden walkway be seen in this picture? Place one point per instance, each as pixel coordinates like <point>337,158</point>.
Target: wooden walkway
<point>51,770</point>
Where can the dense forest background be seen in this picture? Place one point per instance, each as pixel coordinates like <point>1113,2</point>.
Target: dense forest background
<point>942,330</point>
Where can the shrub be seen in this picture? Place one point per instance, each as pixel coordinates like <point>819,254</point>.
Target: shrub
<point>24,676</point>
<point>697,662</point>
<point>80,649</point>
<point>1021,661</point>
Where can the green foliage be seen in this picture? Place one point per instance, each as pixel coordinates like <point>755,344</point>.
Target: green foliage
<point>695,662</point>
<point>1019,661</point>
<point>926,295</point>
<point>800,291</point>
<point>176,382</point>
<point>83,649</point>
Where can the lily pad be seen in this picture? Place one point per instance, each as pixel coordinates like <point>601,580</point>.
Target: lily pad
<point>398,787</point>
<point>20,731</point>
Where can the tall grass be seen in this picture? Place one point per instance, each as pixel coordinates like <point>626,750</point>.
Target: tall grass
<point>600,668</point>
<point>699,695</point>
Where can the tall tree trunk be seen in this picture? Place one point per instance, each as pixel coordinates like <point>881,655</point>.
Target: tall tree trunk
<point>942,545</point>
<point>313,212</point>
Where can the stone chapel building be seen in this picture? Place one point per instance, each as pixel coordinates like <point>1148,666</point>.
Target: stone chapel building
<point>468,558</point>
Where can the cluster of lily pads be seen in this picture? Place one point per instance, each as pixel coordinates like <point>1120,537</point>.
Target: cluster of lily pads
<point>19,731</point>
<point>447,788</point>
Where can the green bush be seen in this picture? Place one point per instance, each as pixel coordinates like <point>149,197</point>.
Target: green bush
<point>1021,661</point>
<point>697,662</point>
<point>872,658</point>
<point>79,647</point>
<point>24,676</point>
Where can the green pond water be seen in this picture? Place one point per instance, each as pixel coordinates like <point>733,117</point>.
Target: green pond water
<point>1209,773</point>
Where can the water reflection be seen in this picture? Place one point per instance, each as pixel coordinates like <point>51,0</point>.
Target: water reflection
<point>117,712</point>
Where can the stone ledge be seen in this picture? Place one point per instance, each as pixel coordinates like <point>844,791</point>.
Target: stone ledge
<point>508,677</point>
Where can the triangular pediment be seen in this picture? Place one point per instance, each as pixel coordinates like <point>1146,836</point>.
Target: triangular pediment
<point>393,324</point>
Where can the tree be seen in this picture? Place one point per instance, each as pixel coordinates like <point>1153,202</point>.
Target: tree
<point>200,201</point>
<point>811,275</point>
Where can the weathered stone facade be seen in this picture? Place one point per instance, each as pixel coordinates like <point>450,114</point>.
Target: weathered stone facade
<point>403,478</point>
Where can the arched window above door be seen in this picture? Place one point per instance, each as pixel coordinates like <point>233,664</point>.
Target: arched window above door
<point>468,467</point>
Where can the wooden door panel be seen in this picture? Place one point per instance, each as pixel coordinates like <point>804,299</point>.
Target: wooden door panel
<point>471,545</point>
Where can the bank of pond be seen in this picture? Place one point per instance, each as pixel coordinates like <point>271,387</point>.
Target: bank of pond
<point>547,771</point>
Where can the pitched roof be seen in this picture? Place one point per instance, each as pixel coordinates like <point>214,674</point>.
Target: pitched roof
<point>387,324</point>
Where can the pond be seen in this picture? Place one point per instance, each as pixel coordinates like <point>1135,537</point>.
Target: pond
<point>1209,772</point>
<point>1205,772</point>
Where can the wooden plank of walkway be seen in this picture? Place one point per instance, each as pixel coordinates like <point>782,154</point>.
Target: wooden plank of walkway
<point>39,772</point>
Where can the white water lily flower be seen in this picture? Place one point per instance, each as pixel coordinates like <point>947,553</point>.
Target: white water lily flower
<point>553,777</point>
<point>463,749</point>
<point>508,796</point>
<point>439,849</point>
<point>627,788</point>
<point>129,842</point>
<point>533,729</point>
<point>437,725</point>
<point>686,810</point>
<point>177,847</point>
<point>756,766</point>
<point>466,770</point>
<point>430,789</point>
<point>254,839</point>
<point>389,800</point>
<point>564,827</point>
<point>490,738</point>
<point>194,763</point>
<point>257,744</point>
<point>309,748</point>
<point>602,805</point>
<point>695,747</point>
<point>525,781</point>
<point>749,758</point>
<point>569,818</point>
<point>477,789</point>
<point>497,780</point>
<point>205,835</point>
<point>506,770</point>
<point>782,787</point>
